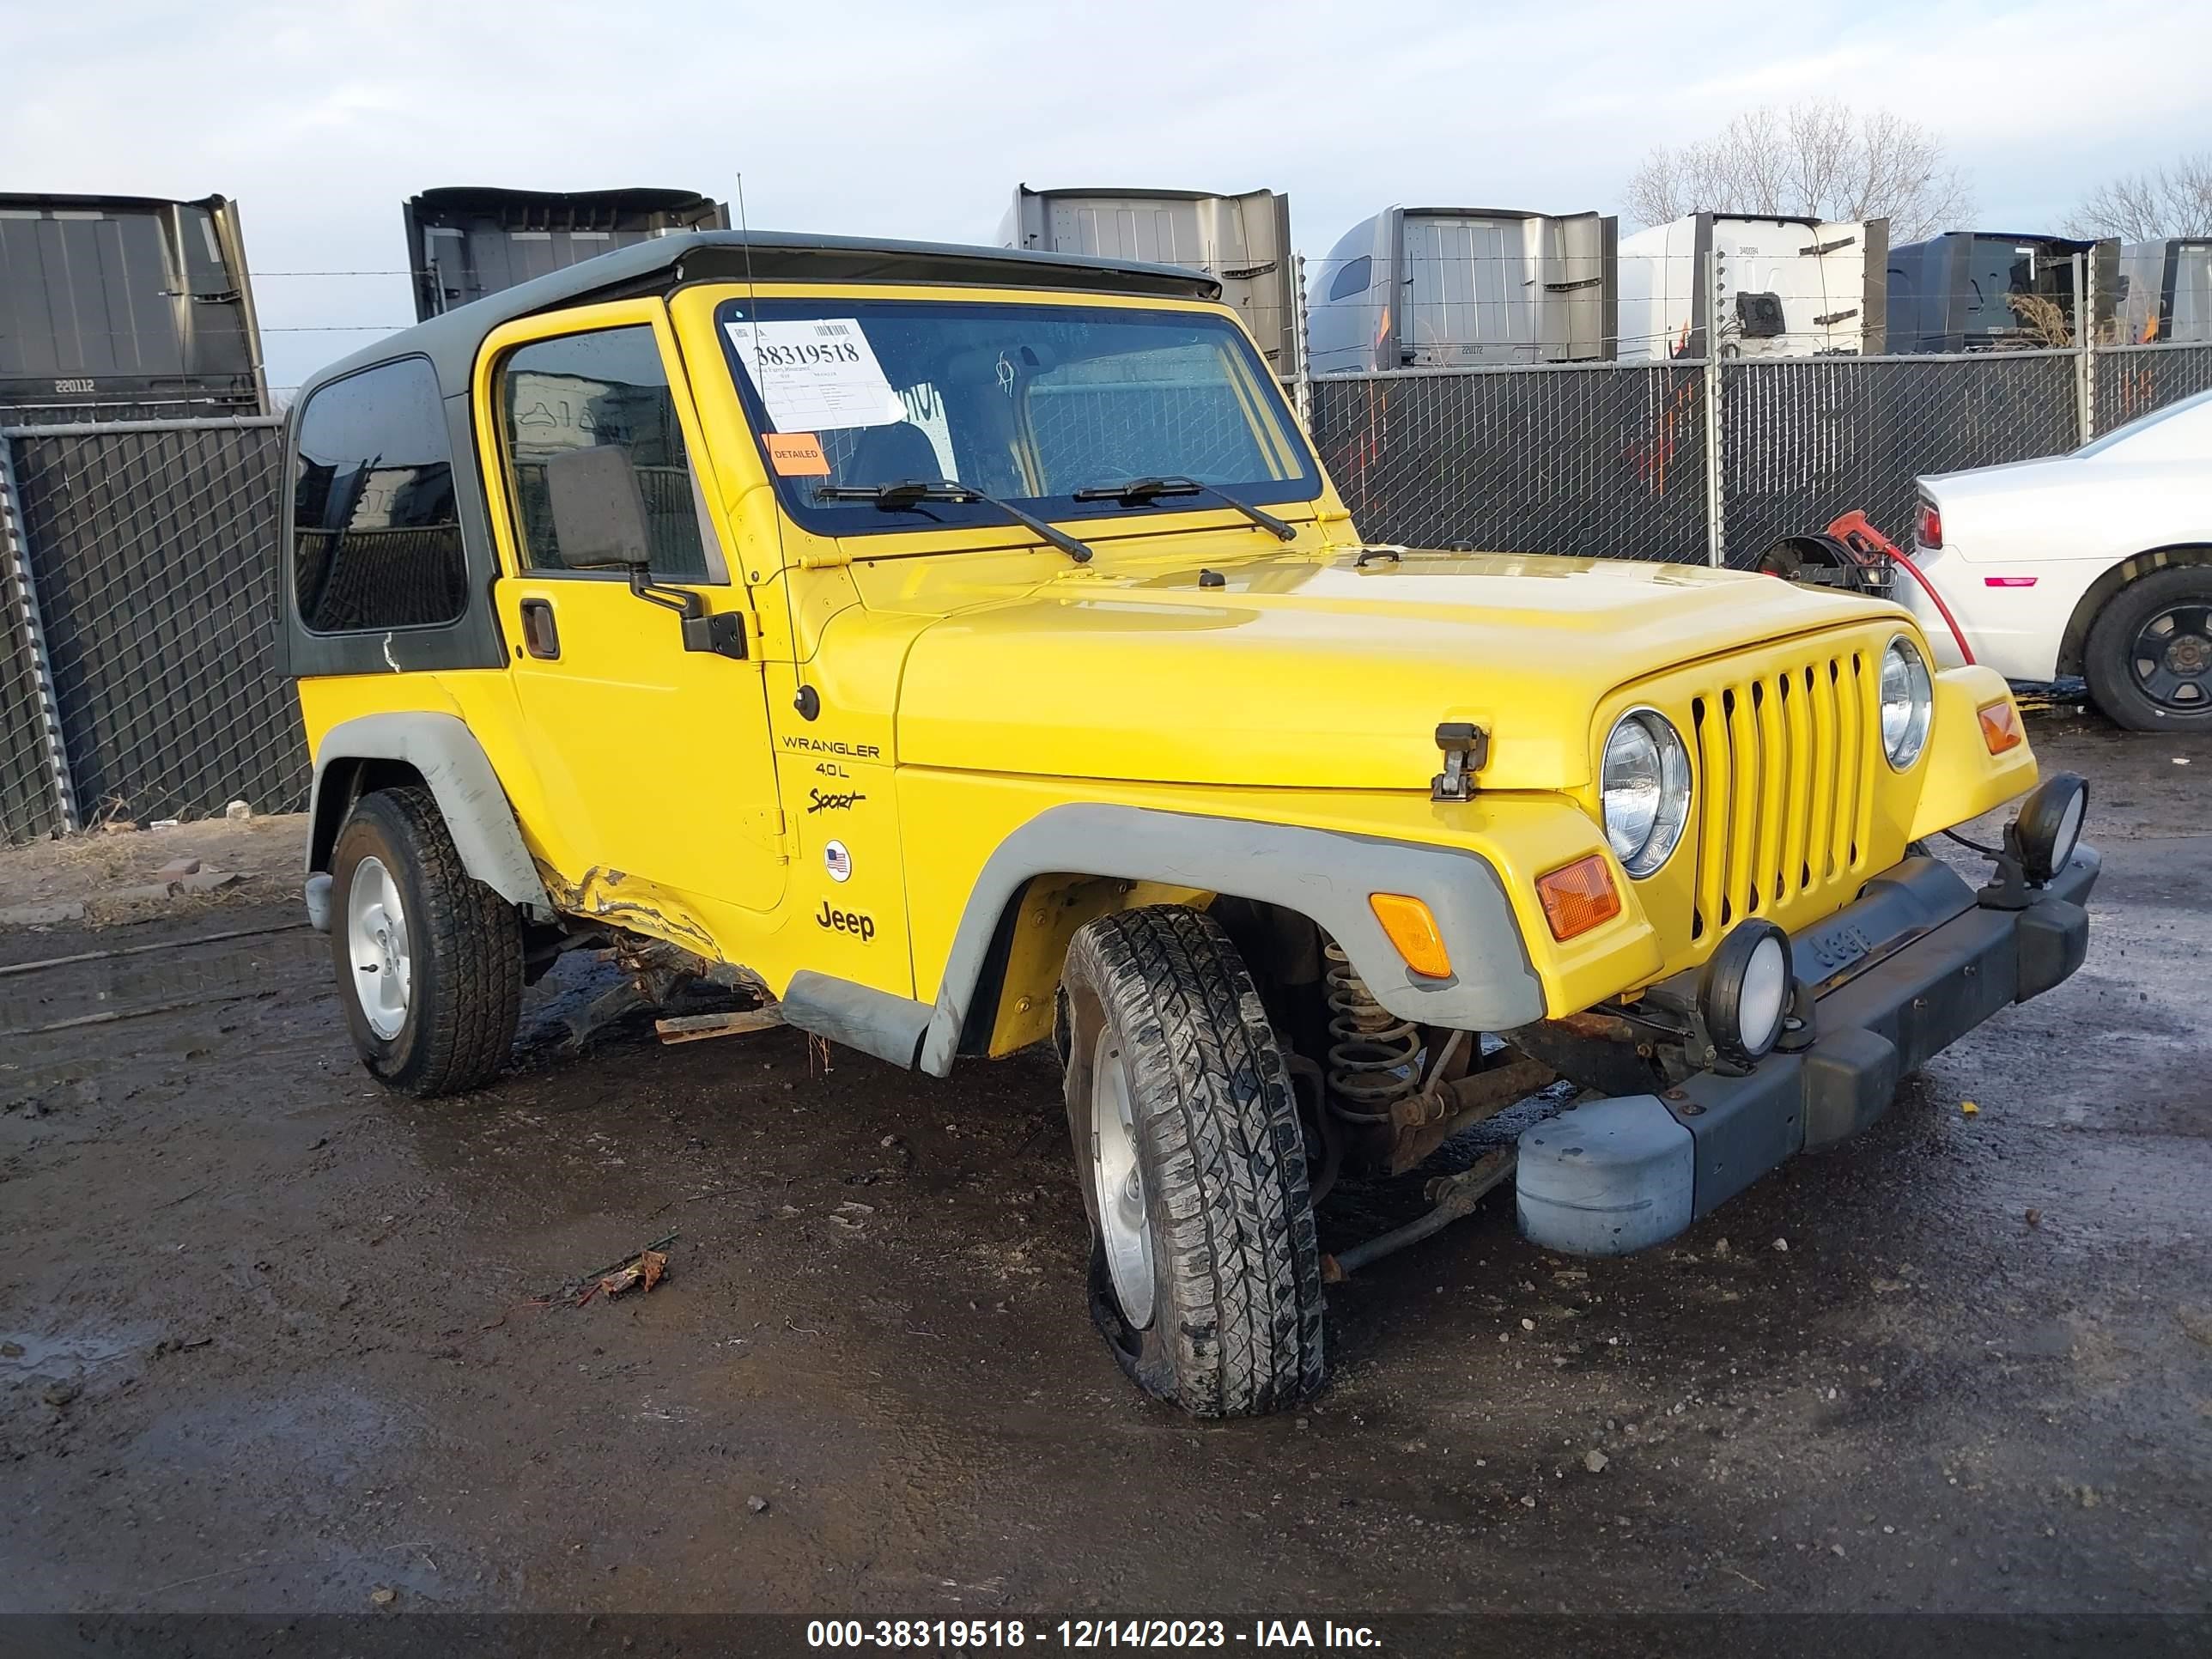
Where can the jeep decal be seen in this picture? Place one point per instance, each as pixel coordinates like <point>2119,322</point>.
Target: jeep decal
<point>846,921</point>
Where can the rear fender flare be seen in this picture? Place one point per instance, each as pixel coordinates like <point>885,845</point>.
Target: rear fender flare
<point>444,754</point>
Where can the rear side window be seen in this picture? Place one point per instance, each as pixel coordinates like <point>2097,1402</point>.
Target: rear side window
<point>1355,277</point>
<point>376,542</point>
<point>584,390</point>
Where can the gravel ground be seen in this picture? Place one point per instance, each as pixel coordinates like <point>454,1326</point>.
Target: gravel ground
<point>270,1342</point>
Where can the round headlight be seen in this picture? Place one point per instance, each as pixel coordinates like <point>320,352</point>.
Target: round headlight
<point>1644,780</point>
<point>1908,703</point>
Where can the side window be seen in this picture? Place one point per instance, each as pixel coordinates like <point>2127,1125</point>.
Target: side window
<point>376,542</point>
<point>606,387</point>
<point>1355,277</point>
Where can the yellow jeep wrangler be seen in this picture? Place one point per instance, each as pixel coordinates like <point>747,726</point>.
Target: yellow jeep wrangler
<point>960,650</point>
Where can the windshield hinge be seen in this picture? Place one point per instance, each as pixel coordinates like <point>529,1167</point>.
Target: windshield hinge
<point>1466,747</point>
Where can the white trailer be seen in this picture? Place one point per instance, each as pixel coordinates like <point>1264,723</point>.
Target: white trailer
<point>1785,287</point>
<point>1244,242</point>
<point>2166,291</point>
<point>1463,288</point>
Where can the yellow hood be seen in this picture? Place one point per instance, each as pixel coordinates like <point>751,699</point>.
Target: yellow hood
<point>1322,675</point>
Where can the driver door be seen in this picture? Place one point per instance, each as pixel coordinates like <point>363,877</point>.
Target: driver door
<point>653,763</point>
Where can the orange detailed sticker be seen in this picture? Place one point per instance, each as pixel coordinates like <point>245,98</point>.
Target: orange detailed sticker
<point>796,455</point>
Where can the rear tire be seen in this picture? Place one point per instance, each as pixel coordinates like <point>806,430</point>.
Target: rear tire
<point>1205,1269</point>
<point>2149,656</point>
<point>429,959</point>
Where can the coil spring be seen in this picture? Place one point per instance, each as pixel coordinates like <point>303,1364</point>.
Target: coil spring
<point>1374,1057</point>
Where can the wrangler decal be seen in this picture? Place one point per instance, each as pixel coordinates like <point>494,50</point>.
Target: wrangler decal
<point>832,746</point>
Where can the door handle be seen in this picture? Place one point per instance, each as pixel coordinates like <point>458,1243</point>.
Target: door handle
<point>541,638</point>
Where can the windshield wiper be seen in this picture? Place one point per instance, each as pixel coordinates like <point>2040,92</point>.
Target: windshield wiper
<point>909,493</point>
<point>1137,491</point>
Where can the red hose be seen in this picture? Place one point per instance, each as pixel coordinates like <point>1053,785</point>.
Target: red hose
<point>1855,523</point>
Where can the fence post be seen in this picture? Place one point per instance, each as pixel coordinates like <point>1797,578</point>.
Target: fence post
<point>15,579</point>
<point>2085,338</point>
<point>1302,364</point>
<point>1716,538</point>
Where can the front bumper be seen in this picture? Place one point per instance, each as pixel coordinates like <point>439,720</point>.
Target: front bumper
<point>1915,963</point>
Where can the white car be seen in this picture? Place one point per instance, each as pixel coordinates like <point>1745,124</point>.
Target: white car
<point>2097,564</point>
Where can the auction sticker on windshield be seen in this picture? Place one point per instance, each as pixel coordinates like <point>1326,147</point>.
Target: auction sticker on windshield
<point>796,455</point>
<point>815,374</point>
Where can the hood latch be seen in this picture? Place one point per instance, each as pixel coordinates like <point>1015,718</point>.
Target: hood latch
<point>1466,747</point>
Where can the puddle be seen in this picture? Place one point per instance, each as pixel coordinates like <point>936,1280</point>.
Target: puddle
<point>70,1354</point>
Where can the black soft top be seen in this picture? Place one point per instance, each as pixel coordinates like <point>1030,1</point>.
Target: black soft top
<point>450,341</point>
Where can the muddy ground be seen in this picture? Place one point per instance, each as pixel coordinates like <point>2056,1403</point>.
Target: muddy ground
<point>269,1342</point>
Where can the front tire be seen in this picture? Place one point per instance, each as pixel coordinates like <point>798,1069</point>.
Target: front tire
<point>429,959</point>
<point>1205,1269</point>
<point>2149,656</point>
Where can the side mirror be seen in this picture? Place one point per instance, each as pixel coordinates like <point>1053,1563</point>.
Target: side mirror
<point>599,518</point>
<point>599,511</point>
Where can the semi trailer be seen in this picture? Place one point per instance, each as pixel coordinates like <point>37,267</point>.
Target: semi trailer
<point>1780,287</point>
<point>1464,287</point>
<point>121,307</point>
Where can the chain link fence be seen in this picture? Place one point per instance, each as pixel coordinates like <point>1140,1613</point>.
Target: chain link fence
<point>2130,381</point>
<point>131,410</point>
<point>1805,439</point>
<point>31,801</point>
<point>1624,462</point>
<point>150,549</point>
<point>28,806</point>
<point>1604,462</point>
<point>138,559</point>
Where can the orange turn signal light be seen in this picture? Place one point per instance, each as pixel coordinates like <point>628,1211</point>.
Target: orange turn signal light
<point>2000,727</point>
<point>1577,896</point>
<point>1413,930</point>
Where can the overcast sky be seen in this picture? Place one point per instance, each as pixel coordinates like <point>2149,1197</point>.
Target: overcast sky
<point>906,120</point>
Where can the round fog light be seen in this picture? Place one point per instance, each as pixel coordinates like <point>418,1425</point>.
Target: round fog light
<point>2049,824</point>
<point>1744,994</point>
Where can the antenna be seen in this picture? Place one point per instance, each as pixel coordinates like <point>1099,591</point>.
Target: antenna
<point>806,700</point>
<point>745,229</point>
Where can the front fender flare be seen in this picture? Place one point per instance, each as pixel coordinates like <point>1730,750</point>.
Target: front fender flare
<point>1326,875</point>
<point>1960,778</point>
<point>445,753</point>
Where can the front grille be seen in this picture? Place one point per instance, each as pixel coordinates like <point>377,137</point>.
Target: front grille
<point>1785,786</point>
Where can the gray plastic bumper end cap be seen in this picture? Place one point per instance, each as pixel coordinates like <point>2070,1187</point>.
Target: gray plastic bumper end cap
<point>318,903</point>
<point>1606,1178</point>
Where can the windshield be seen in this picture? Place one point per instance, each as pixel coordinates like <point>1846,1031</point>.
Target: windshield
<point>1029,402</point>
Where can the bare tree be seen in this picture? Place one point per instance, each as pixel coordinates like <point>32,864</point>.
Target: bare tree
<point>2145,207</point>
<point>1827,159</point>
